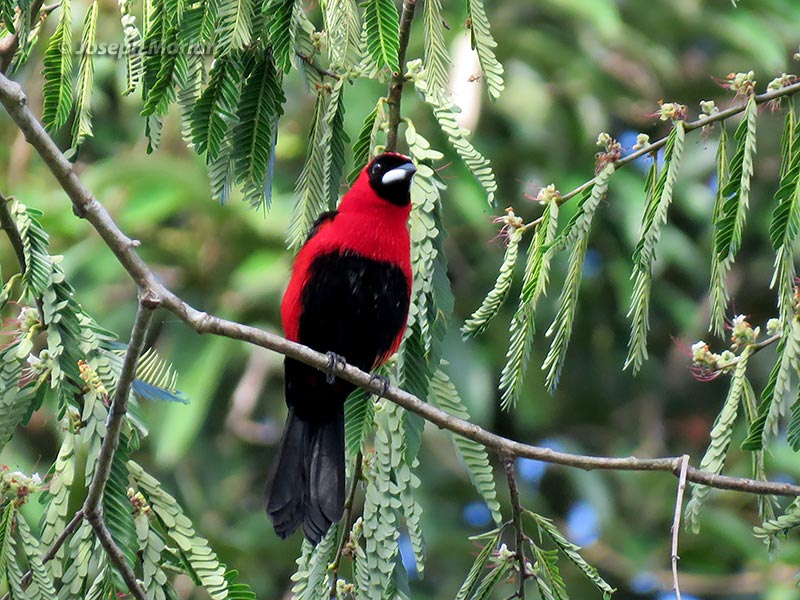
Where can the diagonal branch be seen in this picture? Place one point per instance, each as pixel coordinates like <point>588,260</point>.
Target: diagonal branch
<point>85,205</point>
<point>722,115</point>
<point>116,416</point>
<point>398,79</point>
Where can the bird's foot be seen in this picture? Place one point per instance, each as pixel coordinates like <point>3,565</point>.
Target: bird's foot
<point>384,381</point>
<point>336,363</point>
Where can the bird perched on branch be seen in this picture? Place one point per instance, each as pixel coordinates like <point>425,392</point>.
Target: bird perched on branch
<point>348,296</point>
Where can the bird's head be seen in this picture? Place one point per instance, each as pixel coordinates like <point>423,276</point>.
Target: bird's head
<point>390,176</point>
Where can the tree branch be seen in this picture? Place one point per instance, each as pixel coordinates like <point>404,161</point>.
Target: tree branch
<point>398,78</point>
<point>516,519</point>
<point>116,416</point>
<point>85,205</point>
<point>722,115</point>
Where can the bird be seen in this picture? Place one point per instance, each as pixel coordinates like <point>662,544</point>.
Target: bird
<point>348,296</point>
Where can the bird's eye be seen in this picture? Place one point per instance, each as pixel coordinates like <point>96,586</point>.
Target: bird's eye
<point>376,168</point>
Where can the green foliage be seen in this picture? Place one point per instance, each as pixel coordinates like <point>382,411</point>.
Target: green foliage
<point>280,26</point>
<point>483,315</point>
<point>133,39</point>
<point>445,395</point>
<point>785,222</point>
<point>343,27</point>
<point>782,525</point>
<point>359,412</point>
<point>312,576</point>
<point>234,26</point>
<point>571,551</point>
<point>57,72</point>
<point>213,111</point>
<point>523,323</point>
<point>774,397</point>
<point>365,142</point>
<point>659,192</point>
<point>82,125</point>
<point>318,185</point>
<point>484,43</point>
<point>471,583</point>
<point>381,23</point>
<point>721,434</point>
<point>445,112</point>
<point>731,212</point>
<point>253,137</point>
<point>437,59</point>
<point>575,236</point>
<point>196,558</point>
<point>718,291</point>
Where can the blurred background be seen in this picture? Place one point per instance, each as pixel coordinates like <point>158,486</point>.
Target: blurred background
<point>574,68</point>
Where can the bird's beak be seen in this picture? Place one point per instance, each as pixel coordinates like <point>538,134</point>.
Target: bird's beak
<point>401,173</point>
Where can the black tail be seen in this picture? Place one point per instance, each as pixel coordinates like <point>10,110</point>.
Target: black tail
<point>307,483</point>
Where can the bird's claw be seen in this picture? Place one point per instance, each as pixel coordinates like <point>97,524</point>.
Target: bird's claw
<point>384,381</point>
<point>335,363</point>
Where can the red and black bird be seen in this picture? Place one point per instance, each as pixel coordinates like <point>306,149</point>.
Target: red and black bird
<point>348,296</point>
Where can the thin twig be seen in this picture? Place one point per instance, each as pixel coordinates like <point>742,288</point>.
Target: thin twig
<point>676,523</point>
<point>85,205</point>
<point>76,520</point>
<point>788,90</point>
<point>395,94</point>
<point>516,519</point>
<point>116,415</point>
<point>347,522</point>
<point>310,62</point>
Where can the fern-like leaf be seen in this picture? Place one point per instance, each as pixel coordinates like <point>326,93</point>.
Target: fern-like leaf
<point>82,126</point>
<point>234,25</point>
<point>721,433</point>
<point>214,110</point>
<point>41,587</point>
<point>260,105</point>
<point>659,197</point>
<point>279,25</point>
<point>717,287</point>
<point>445,396</point>
<point>775,396</point>
<point>571,551</point>
<point>365,142</point>
<point>133,41</point>
<point>316,189</point>
<point>732,210</point>
<point>785,222</point>
<point>437,59</point>
<point>483,315</point>
<point>381,23</point>
<point>523,323</point>
<point>479,564</point>
<point>198,558</point>
<point>359,412</point>
<point>484,43</point>
<point>561,327</point>
<point>445,112</point>
<point>57,72</point>
<point>343,28</point>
